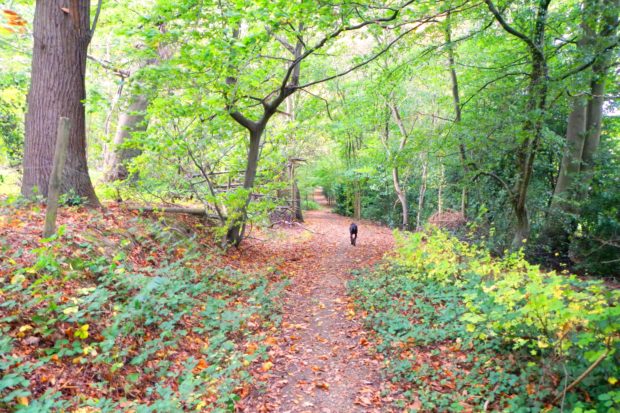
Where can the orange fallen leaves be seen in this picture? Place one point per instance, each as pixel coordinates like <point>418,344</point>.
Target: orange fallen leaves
<point>271,341</point>
<point>321,385</point>
<point>202,364</point>
<point>251,348</point>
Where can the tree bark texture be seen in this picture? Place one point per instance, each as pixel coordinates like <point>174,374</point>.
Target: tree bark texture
<point>583,130</point>
<point>130,121</point>
<point>57,89</point>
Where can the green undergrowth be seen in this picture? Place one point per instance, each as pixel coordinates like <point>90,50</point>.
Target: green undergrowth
<point>462,331</point>
<point>126,319</point>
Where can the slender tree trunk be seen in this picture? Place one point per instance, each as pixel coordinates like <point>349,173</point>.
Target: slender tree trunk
<point>237,227</point>
<point>456,99</point>
<point>418,222</point>
<point>400,191</point>
<point>299,216</point>
<point>440,191</point>
<point>402,198</point>
<point>357,201</point>
<point>57,89</point>
<point>130,121</point>
<point>536,110</point>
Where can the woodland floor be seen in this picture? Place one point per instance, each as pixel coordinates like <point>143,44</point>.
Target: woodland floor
<point>320,358</point>
<point>323,361</point>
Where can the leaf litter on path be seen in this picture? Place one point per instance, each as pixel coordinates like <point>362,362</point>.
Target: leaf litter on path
<point>325,363</point>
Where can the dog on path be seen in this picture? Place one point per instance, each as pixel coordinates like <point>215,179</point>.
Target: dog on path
<point>353,233</point>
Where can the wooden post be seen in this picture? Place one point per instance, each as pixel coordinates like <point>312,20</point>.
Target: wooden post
<point>53,192</point>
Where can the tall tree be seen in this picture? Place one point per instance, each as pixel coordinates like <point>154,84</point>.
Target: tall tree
<point>394,158</point>
<point>583,132</point>
<point>536,108</point>
<point>62,32</point>
<point>133,119</point>
<point>299,50</point>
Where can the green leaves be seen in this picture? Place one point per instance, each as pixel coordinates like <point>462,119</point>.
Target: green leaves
<point>527,329</point>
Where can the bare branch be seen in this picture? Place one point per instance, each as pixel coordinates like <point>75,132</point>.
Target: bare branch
<point>335,34</point>
<point>91,32</point>
<point>109,66</point>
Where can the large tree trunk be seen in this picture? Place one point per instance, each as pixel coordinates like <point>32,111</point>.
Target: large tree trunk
<point>57,89</point>
<point>557,230</point>
<point>583,132</point>
<point>571,158</point>
<point>130,121</point>
<point>594,119</point>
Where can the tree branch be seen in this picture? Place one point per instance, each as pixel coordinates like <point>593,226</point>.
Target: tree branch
<point>335,34</point>
<point>243,121</point>
<point>500,19</point>
<point>91,32</point>
<point>497,178</point>
<point>322,98</point>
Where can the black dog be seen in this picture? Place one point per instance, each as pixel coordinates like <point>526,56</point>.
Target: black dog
<point>353,232</point>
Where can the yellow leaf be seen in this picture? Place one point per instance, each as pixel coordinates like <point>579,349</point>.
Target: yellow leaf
<point>322,385</point>
<point>267,366</point>
<point>18,278</point>
<point>6,30</point>
<point>70,310</point>
<point>23,401</point>
<point>25,328</point>
<point>612,380</point>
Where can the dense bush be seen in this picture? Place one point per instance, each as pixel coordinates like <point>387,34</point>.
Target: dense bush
<point>492,332</point>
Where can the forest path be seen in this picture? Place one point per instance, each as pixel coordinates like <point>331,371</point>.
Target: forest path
<point>322,363</point>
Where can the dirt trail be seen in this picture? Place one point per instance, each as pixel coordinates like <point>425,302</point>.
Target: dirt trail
<point>324,364</point>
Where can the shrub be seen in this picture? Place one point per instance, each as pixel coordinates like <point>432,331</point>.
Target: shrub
<point>528,339</point>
